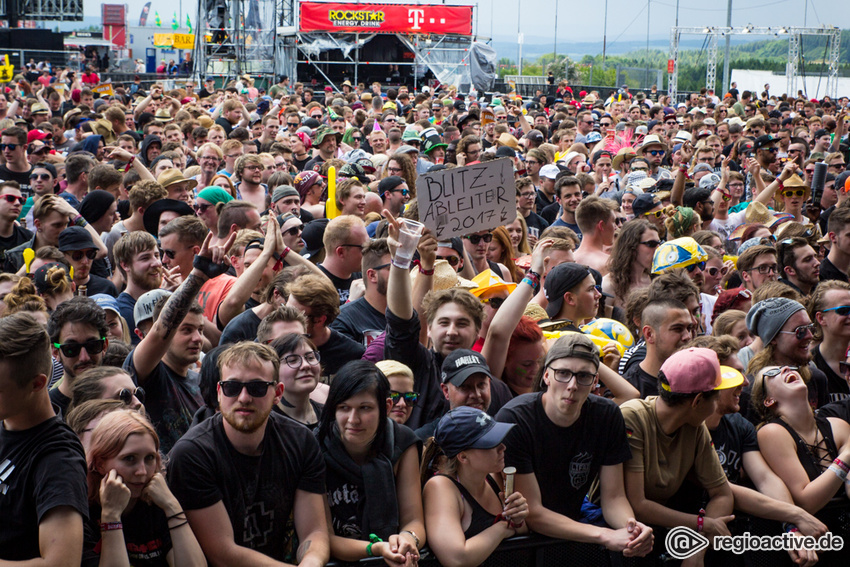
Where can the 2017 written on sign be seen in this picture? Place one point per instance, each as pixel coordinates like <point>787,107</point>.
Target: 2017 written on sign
<point>464,200</point>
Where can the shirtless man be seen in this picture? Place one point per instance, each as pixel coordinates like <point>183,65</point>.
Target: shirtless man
<point>595,218</point>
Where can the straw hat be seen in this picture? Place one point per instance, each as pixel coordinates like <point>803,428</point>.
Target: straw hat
<point>445,277</point>
<point>758,213</point>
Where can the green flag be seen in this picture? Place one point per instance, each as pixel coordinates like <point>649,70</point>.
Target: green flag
<point>157,20</point>
<point>189,23</point>
<point>174,23</point>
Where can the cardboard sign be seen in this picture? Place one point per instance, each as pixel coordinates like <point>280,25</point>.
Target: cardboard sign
<point>459,201</point>
<point>104,89</point>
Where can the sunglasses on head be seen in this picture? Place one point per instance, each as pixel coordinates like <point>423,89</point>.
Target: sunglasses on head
<point>72,350</point>
<point>126,395</point>
<point>494,302</point>
<point>410,398</point>
<point>14,199</point>
<point>692,267</point>
<point>256,388</point>
<point>77,255</point>
<point>475,239</point>
<point>841,310</point>
<point>294,231</point>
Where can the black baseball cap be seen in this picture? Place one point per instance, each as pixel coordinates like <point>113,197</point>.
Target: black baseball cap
<point>559,281</point>
<point>461,364</point>
<point>763,141</point>
<point>469,428</point>
<point>312,235</point>
<point>75,238</point>
<point>643,204</point>
<point>39,278</point>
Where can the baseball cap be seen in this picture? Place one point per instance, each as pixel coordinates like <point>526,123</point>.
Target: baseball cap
<point>75,238</point>
<point>106,302</point>
<point>763,141</point>
<point>461,364</point>
<point>535,136</point>
<point>643,204</point>
<point>691,371</point>
<point>549,171</point>
<point>143,310</point>
<point>39,278</point>
<point>559,281</point>
<point>469,428</point>
<point>312,235</point>
<point>729,378</point>
<point>573,345</point>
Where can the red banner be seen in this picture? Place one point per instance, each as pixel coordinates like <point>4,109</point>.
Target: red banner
<point>385,18</point>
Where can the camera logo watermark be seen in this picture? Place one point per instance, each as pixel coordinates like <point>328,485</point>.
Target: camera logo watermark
<point>683,542</point>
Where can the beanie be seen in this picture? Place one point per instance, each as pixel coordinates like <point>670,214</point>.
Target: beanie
<point>766,318</point>
<point>96,204</point>
<point>215,194</point>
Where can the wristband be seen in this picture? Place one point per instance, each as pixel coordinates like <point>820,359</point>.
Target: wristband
<point>842,465</point>
<point>425,273</point>
<point>285,252</point>
<point>181,513</point>
<point>372,539</point>
<point>788,528</point>
<point>111,526</point>
<point>129,163</point>
<point>516,526</point>
<point>208,268</point>
<point>700,520</point>
<point>412,534</point>
<point>839,472</point>
<point>500,518</point>
<point>180,525</point>
<point>80,221</point>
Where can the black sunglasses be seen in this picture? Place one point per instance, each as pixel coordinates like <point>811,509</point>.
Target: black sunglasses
<point>494,302</point>
<point>12,147</point>
<point>200,208</point>
<point>410,398</point>
<point>72,350</point>
<point>452,260</point>
<point>126,395</point>
<point>77,255</point>
<point>42,176</point>
<point>801,332</point>
<point>294,231</point>
<point>651,243</point>
<point>256,388</point>
<point>475,239</point>
<point>692,267</point>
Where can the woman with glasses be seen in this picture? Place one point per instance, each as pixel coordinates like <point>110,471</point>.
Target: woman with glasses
<point>365,449</point>
<point>206,205</point>
<point>810,453</point>
<point>403,396</point>
<point>630,261</point>
<point>299,373</point>
<point>402,165</point>
<point>133,516</point>
<point>467,513</point>
<point>107,383</point>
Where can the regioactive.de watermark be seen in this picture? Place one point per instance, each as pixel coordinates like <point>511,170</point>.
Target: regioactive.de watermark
<point>683,542</point>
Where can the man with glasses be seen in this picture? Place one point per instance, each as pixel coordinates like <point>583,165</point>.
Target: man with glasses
<point>526,201</point>
<point>80,252</point>
<point>11,205</point>
<point>584,125</point>
<point>798,151</point>
<point>163,362</point>
<point>248,442</point>
<point>757,265</point>
<point>654,150</point>
<point>365,318</point>
<point>343,241</point>
<point>669,443</point>
<point>13,144</point>
<point>293,122</point>
<point>394,193</point>
<point>564,439</point>
<point>77,330</point>
<point>798,264</point>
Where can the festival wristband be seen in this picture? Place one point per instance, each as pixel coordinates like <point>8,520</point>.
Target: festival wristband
<point>111,526</point>
<point>842,465</point>
<point>839,472</point>
<point>372,540</point>
<point>700,520</point>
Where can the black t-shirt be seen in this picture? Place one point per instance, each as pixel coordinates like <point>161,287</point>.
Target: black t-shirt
<point>170,400</point>
<point>549,212</point>
<point>41,468</point>
<point>839,409</point>
<point>828,271</point>
<point>19,236</point>
<point>565,460</point>
<point>257,492</point>
<point>733,437</point>
<point>22,177</point>
<point>60,400</point>
<point>146,536</point>
<point>836,385</point>
<point>634,355</point>
<point>314,164</point>
<point>243,327</point>
<point>533,220</point>
<point>356,318</point>
<point>300,163</point>
<point>337,351</point>
<point>645,383</point>
<point>225,123</point>
<point>98,284</point>
<point>542,201</point>
<point>343,286</point>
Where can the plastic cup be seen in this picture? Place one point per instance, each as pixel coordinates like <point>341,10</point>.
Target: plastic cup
<point>409,234</point>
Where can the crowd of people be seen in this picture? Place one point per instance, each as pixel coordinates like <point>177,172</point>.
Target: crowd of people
<point>216,349</point>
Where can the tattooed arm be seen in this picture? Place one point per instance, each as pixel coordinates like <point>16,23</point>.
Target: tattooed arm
<point>155,345</point>
<point>313,527</point>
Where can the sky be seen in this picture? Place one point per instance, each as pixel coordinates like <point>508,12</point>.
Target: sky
<point>584,21</point>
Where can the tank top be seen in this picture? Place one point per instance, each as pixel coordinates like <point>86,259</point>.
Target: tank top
<point>481,518</point>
